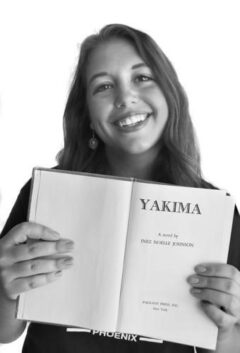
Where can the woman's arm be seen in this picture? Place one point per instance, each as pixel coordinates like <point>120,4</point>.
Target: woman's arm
<point>10,327</point>
<point>227,342</point>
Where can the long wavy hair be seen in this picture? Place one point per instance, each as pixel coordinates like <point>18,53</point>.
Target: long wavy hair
<point>179,158</point>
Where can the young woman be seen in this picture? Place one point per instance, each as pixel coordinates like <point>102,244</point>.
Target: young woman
<point>126,115</point>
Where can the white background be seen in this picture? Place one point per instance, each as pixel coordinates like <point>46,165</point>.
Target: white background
<point>39,44</point>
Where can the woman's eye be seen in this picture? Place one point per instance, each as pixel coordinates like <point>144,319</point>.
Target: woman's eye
<point>143,78</point>
<point>103,87</point>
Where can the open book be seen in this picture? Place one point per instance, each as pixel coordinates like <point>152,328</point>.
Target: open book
<point>135,244</point>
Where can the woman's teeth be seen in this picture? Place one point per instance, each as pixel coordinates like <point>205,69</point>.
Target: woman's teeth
<point>132,120</point>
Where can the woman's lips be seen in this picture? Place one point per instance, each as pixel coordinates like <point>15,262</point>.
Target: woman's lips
<point>133,121</point>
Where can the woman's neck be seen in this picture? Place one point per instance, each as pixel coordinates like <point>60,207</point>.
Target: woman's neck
<point>136,166</point>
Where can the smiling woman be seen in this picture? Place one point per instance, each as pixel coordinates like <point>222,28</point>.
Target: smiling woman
<point>127,108</point>
<point>126,115</point>
<point>126,92</point>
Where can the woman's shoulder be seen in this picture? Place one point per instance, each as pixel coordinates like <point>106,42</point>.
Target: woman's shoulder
<point>207,185</point>
<point>19,212</point>
<point>234,248</point>
<point>25,191</point>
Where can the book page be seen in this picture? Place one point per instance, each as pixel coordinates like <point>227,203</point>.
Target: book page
<point>171,230</point>
<point>93,211</point>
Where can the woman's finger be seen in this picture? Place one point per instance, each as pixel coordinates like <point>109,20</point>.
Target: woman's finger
<point>218,270</point>
<point>22,285</point>
<point>225,285</point>
<point>230,303</point>
<point>222,319</point>
<point>29,230</point>
<point>36,249</point>
<point>36,266</point>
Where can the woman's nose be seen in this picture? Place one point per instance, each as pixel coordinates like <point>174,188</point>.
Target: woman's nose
<point>125,97</point>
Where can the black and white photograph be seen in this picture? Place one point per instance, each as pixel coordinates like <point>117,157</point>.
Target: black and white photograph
<point>120,176</point>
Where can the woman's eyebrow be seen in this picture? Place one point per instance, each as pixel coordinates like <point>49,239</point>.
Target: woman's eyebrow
<point>136,66</point>
<point>99,74</point>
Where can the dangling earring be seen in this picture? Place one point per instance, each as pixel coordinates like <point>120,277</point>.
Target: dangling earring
<point>93,141</point>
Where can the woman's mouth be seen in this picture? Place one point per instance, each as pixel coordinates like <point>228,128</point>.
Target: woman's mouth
<point>132,121</point>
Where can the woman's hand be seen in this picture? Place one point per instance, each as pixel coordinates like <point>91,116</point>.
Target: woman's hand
<point>31,255</point>
<point>218,287</point>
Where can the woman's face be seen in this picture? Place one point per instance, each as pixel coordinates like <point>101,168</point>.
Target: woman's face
<point>127,108</point>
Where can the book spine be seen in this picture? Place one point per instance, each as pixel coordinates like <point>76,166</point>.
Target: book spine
<point>37,173</point>
<point>35,188</point>
<point>229,206</point>
<point>123,266</point>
